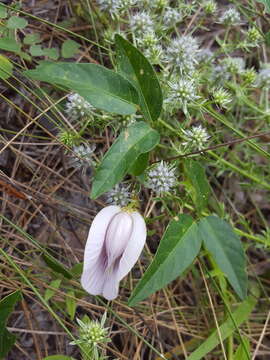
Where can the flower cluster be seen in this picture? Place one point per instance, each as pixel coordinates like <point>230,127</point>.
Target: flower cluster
<point>161,178</point>
<point>230,17</point>
<point>77,107</point>
<point>181,93</point>
<point>263,78</point>
<point>141,23</point>
<point>196,138</point>
<point>221,97</point>
<point>119,195</point>
<point>82,155</point>
<point>182,52</point>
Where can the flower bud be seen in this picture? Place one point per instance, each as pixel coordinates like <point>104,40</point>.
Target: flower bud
<point>115,242</point>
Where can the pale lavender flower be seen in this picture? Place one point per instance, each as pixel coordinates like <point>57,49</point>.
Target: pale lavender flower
<point>115,241</point>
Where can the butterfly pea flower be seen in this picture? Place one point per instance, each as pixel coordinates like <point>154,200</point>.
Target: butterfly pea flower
<point>115,241</point>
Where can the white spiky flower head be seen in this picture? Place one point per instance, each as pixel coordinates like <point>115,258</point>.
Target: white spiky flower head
<point>230,17</point>
<point>221,97</point>
<point>233,65</point>
<point>182,53</point>
<point>253,36</point>
<point>158,4</point>
<point>263,77</point>
<point>120,195</point>
<point>161,178</point>
<point>209,6</point>
<point>249,75</point>
<point>171,17</point>
<point>183,91</point>
<point>111,6</point>
<point>196,138</point>
<point>92,333</point>
<point>147,40</point>
<point>77,107</point>
<point>82,156</point>
<point>154,54</point>
<point>204,55</point>
<point>141,23</point>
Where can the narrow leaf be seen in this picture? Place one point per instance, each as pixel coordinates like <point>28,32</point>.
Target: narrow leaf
<point>226,248</point>
<point>71,304</point>
<point>196,175</point>
<point>103,88</point>
<point>54,285</point>
<point>241,352</point>
<point>137,139</point>
<point>6,67</point>
<point>132,64</point>
<point>178,247</point>
<point>7,339</point>
<point>56,266</point>
<point>240,315</point>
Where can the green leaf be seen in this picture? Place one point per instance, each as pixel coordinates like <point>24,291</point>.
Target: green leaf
<point>9,44</point>
<point>227,251</point>
<point>140,165</point>
<point>71,304</point>
<point>6,67</point>
<point>77,269</point>
<point>241,352</point>
<point>137,139</point>
<point>36,50</point>
<point>266,3</point>
<point>55,284</point>
<point>52,53</point>
<point>58,357</point>
<point>7,305</point>
<point>132,64</point>
<point>103,88</point>
<point>3,12</point>
<point>31,39</point>
<point>15,22</point>
<point>56,266</point>
<point>240,315</point>
<point>196,175</point>
<point>69,48</point>
<point>178,247</point>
